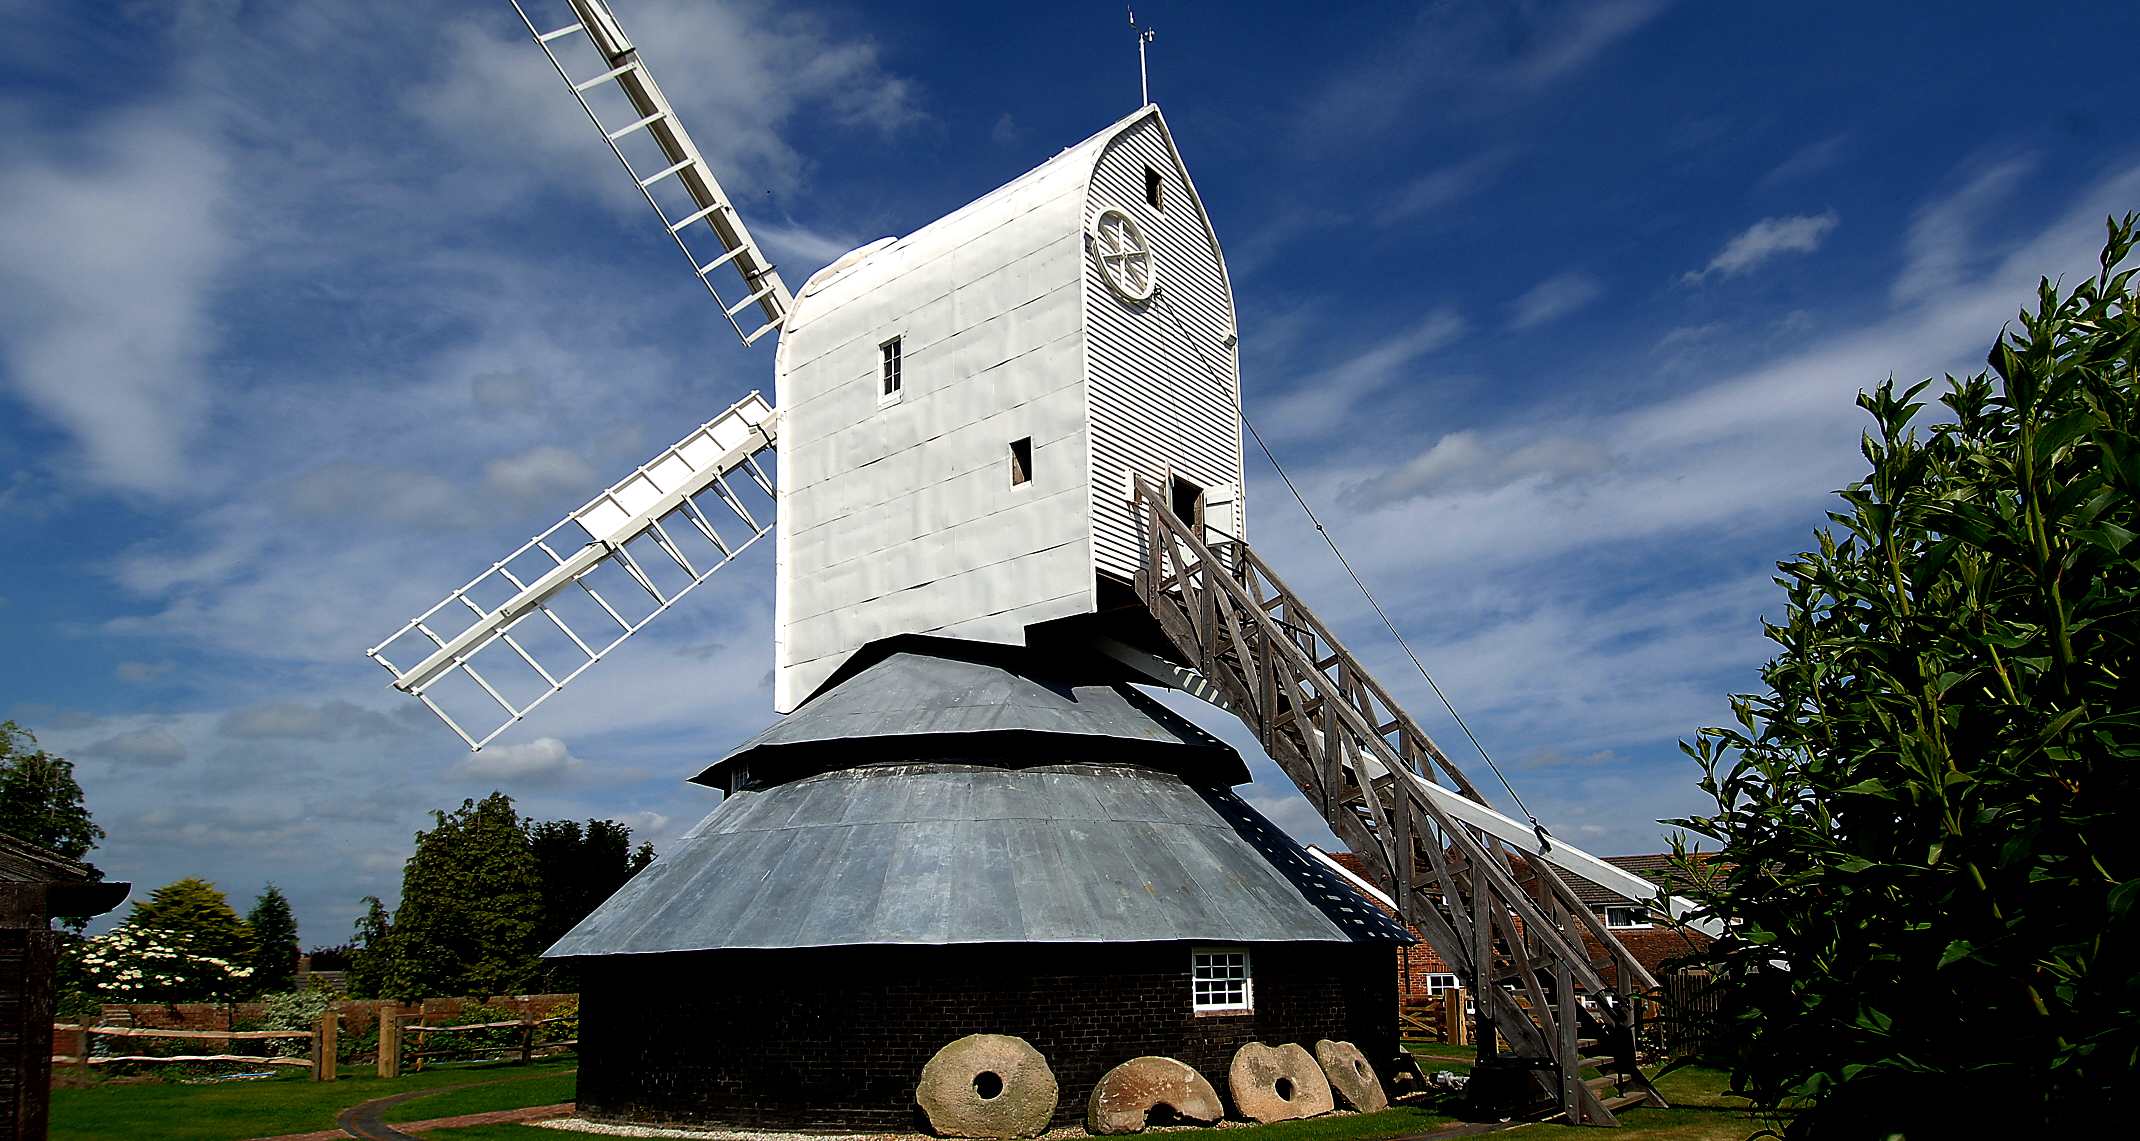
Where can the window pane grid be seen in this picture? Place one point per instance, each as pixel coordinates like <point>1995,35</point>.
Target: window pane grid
<point>1219,980</point>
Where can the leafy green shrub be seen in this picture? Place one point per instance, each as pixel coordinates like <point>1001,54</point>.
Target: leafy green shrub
<point>1926,823</point>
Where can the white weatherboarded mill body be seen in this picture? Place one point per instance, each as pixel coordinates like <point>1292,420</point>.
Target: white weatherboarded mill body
<point>989,488</point>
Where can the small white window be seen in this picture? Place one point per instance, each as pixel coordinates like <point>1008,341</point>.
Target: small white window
<point>1438,984</point>
<point>1155,189</point>
<point>1629,916</point>
<point>888,372</point>
<point>1219,979</point>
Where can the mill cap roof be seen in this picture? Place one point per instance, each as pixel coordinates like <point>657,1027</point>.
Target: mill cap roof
<point>918,697</point>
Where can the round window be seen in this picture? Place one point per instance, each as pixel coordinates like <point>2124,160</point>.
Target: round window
<point>1125,255</point>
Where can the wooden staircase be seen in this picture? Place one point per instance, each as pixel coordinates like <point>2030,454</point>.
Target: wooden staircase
<point>1507,925</point>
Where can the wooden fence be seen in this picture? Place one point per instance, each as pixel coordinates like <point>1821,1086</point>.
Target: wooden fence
<point>393,1035</point>
<point>319,1055</point>
<point>1443,1018</point>
<point>1688,1013</point>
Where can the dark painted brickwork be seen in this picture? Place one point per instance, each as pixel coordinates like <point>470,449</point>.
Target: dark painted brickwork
<point>837,1037</point>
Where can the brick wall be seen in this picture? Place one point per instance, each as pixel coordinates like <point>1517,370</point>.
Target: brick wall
<point>837,1037</point>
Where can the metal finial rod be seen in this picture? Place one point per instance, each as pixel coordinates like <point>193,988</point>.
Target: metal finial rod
<point>1144,76</point>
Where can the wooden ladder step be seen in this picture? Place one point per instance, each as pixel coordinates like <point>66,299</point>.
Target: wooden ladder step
<point>1598,1063</point>
<point>1624,1101</point>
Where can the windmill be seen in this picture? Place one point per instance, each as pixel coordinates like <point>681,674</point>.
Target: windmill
<point>1017,427</point>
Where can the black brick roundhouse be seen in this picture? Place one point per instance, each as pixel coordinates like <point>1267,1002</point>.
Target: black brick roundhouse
<point>954,839</point>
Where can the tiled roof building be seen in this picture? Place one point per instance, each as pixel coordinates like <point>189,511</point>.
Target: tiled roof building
<point>1422,974</point>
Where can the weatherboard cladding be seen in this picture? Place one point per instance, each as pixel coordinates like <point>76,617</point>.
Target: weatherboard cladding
<point>1160,379</point>
<point>898,516</point>
<point>959,854</point>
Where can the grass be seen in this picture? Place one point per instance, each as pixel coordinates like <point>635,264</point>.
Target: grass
<point>292,1104</point>
<point>1399,1122</point>
<point>546,1088</point>
<point>288,1103</point>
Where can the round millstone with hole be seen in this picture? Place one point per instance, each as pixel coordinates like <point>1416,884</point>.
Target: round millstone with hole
<point>1351,1076</point>
<point>1129,1097</point>
<point>1277,1083</point>
<point>987,1086</point>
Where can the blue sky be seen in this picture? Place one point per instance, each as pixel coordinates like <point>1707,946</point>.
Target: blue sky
<point>308,311</point>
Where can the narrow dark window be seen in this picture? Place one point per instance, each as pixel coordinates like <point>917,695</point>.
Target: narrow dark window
<point>890,371</point>
<point>1021,461</point>
<point>1188,502</point>
<point>1155,189</point>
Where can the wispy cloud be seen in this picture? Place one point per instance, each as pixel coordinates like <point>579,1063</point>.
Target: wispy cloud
<point>1469,58</point>
<point>1809,160</point>
<point>1554,298</point>
<point>1765,239</point>
<point>1446,186</point>
<point>1944,243</point>
<point>1320,402</point>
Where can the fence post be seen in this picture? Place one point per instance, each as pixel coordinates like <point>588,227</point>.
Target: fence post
<point>390,1040</point>
<point>527,1041</point>
<point>324,1045</point>
<point>1456,1029</point>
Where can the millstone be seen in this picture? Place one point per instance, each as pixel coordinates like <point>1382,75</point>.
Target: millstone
<point>1124,1099</point>
<point>1277,1083</point>
<point>1351,1076</point>
<point>992,1086</point>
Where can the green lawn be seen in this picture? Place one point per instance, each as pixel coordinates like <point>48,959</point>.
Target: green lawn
<point>289,1103</point>
<point>293,1104</point>
<point>548,1086</point>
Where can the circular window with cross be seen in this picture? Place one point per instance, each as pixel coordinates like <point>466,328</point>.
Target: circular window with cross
<point>1125,255</point>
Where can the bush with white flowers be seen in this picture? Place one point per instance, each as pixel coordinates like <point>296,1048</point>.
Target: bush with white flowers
<point>139,964</point>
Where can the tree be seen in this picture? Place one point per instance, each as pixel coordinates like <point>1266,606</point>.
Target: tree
<point>194,908</point>
<point>1925,823</point>
<point>40,801</point>
<point>274,930</point>
<point>137,963</point>
<point>578,869</point>
<point>371,963</point>
<point>469,905</point>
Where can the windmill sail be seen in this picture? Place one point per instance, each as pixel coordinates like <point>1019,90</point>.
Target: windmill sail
<point>594,579</point>
<point>701,217</point>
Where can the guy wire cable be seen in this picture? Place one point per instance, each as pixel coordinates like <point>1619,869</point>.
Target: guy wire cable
<point>1545,841</point>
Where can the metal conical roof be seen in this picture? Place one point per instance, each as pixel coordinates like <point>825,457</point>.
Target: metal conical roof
<point>936,854</point>
<point>937,698</point>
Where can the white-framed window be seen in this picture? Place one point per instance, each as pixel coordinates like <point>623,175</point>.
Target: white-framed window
<point>1220,980</point>
<point>1630,915</point>
<point>1439,984</point>
<point>888,370</point>
<point>1155,189</point>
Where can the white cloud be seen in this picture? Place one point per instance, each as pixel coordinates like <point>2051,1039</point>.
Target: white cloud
<point>151,746</point>
<point>1321,402</point>
<point>542,760</point>
<point>1943,245</point>
<point>542,473</point>
<point>738,73</point>
<point>1554,298</point>
<point>1809,160</point>
<point>136,673</point>
<point>113,240</point>
<point>1447,185</point>
<point>1747,250</point>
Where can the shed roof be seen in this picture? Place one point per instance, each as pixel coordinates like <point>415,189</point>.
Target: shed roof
<point>962,853</point>
<point>70,887</point>
<point>939,698</point>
